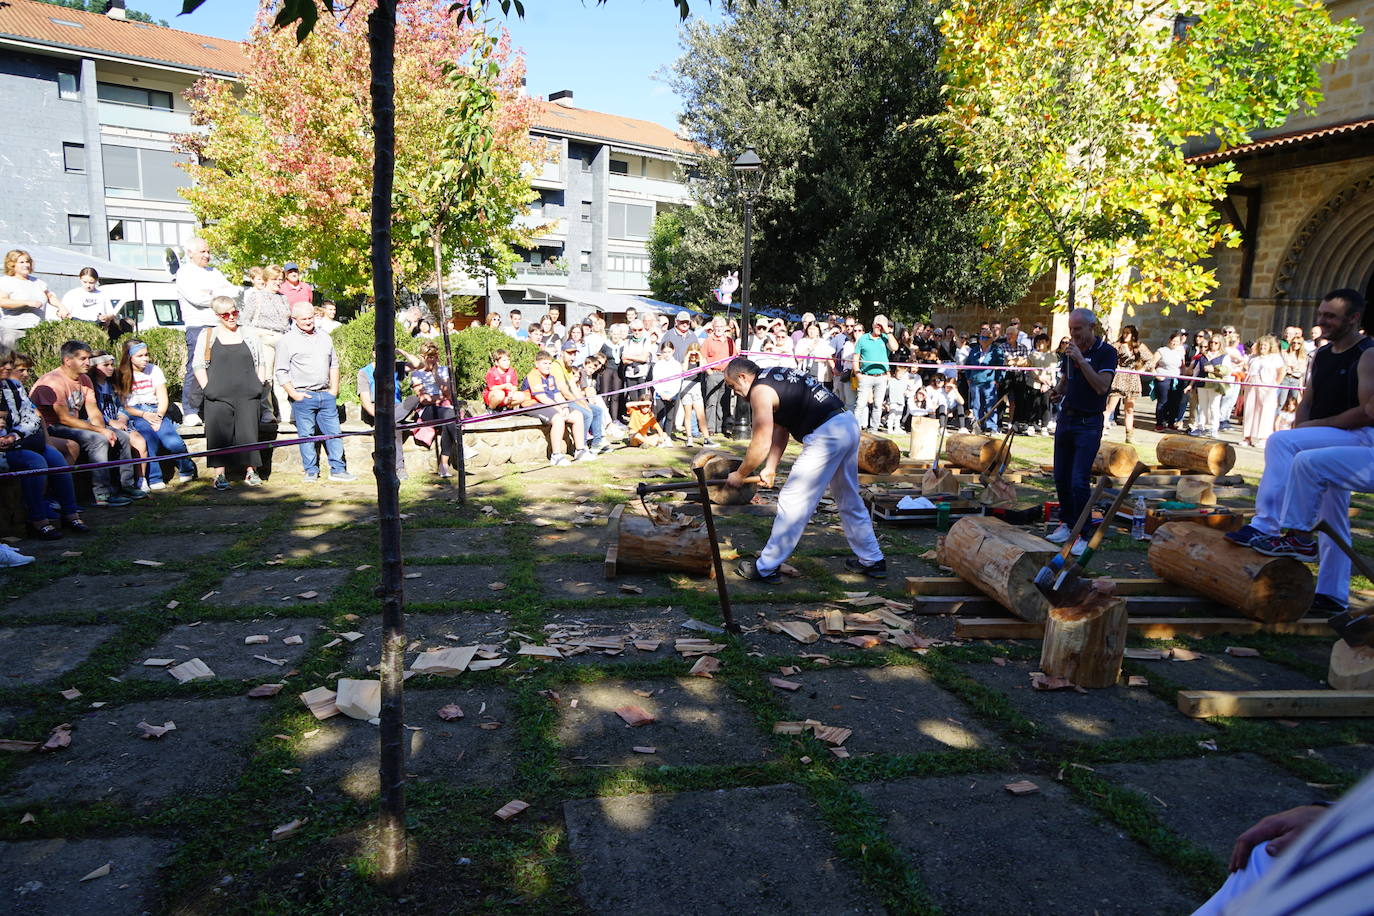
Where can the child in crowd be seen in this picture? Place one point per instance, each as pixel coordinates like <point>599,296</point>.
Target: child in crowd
<point>1285,418</point>
<point>666,393</point>
<point>142,389</point>
<point>897,389</point>
<point>501,389</point>
<point>107,398</point>
<point>691,403</point>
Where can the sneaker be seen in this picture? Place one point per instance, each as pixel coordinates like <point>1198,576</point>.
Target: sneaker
<point>311,478</point>
<point>1244,535</point>
<point>251,478</point>
<point>1078,547</point>
<point>192,419</point>
<point>157,485</point>
<point>1059,535</point>
<point>185,478</point>
<point>708,443</point>
<point>340,477</point>
<point>1286,545</point>
<point>143,485</point>
<point>11,557</point>
<point>107,500</point>
<point>1326,606</point>
<point>876,570</point>
<point>583,454</point>
<point>135,493</point>
<point>749,569</point>
<point>221,482</point>
<point>559,460</point>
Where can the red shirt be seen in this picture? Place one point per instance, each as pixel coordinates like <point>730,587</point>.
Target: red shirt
<point>713,349</point>
<point>301,292</point>
<point>497,376</point>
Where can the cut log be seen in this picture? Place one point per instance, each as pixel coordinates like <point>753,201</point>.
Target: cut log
<point>925,439</point>
<point>1196,490</point>
<point>977,453</point>
<point>878,454</point>
<point>719,465</point>
<point>1085,643</point>
<point>1267,589</point>
<point>1266,704</point>
<point>1145,627</point>
<point>1351,669</point>
<point>1206,456</point>
<point>1001,560</point>
<point>636,544</point>
<point>1115,459</point>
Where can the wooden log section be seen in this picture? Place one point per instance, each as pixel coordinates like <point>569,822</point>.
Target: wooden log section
<point>1267,589</point>
<point>719,465</point>
<point>1115,459</point>
<point>977,453</point>
<point>636,544</point>
<point>1196,490</point>
<point>1206,456</point>
<point>925,438</point>
<point>878,454</point>
<point>1286,704</point>
<point>1085,643</point>
<point>1001,560</point>
<point>1351,669</point>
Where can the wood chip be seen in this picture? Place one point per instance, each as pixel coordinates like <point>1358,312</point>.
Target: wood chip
<point>1022,787</point>
<point>640,749</point>
<point>450,712</point>
<point>173,605</point>
<point>255,640</point>
<point>706,666</point>
<point>359,699</point>
<point>629,589</point>
<point>292,640</point>
<point>287,829</point>
<point>447,661</point>
<point>784,685</point>
<point>788,728</point>
<point>307,595</point>
<point>550,652</point>
<point>832,623</point>
<point>158,662</point>
<point>916,643</point>
<point>634,716</point>
<point>147,563</point>
<point>787,569</point>
<point>840,752</point>
<point>496,587</point>
<point>266,690</point>
<point>15,746</point>
<point>271,661</point>
<point>1136,680</point>
<point>484,663</point>
<point>100,872</point>
<point>192,670</point>
<point>320,702</point>
<point>156,731</point>
<point>28,819</point>
<point>801,632</point>
<point>999,661</point>
<point>60,737</point>
<point>511,808</point>
<point>864,642</point>
<point>1184,655</point>
<point>71,553</point>
<point>832,734</point>
<point>351,636</point>
<point>1242,652</point>
<point>1149,655</point>
<point>647,645</point>
<point>71,694</point>
<point>1041,681</point>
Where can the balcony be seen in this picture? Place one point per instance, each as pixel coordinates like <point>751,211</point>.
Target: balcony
<point>653,188</point>
<point>541,274</point>
<point>547,175</point>
<point>158,120</point>
<point>555,228</point>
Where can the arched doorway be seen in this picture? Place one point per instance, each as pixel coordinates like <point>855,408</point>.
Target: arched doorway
<point>1334,248</point>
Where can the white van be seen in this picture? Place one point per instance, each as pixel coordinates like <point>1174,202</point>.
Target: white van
<point>155,306</point>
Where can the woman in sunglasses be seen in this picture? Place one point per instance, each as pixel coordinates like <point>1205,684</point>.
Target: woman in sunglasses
<point>226,364</point>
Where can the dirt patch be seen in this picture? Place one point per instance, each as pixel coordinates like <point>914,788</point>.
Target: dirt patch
<point>278,587</point>
<point>1357,758</point>
<point>43,877</point>
<point>38,655</point>
<point>220,644</point>
<point>87,594</point>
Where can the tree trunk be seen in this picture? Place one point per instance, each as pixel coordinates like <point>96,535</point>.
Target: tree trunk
<point>638,545</point>
<point>976,453</point>
<point>1115,460</point>
<point>720,464</point>
<point>1351,669</point>
<point>1085,643</point>
<point>1205,456</point>
<point>1001,560</point>
<point>1267,589</point>
<point>878,454</point>
<point>925,438</point>
<point>459,407</point>
<point>392,865</point>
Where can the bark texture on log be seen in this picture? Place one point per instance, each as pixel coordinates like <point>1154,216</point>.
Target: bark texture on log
<point>643,546</point>
<point>1001,560</point>
<point>925,439</point>
<point>718,465</point>
<point>1267,589</point>
<point>1351,669</point>
<point>1115,459</point>
<point>977,453</point>
<point>1206,456</point>
<point>878,454</point>
<point>1085,643</point>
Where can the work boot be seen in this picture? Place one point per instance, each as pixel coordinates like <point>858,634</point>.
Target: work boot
<point>876,570</point>
<point>749,569</point>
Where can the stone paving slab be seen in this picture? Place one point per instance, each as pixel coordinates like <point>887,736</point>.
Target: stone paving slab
<point>588,540</point>
<point>1113,712</point>
<point>891,710</point>
<point>1241,789</point>
<point>342,757</point>
<point>699,722</point>
<point>1357,758</point>
<point>173,548</point>
<point>41,654</point>
<point>733,851</point>
<point>982,850</point>
<point>214,516</point>
<point>439,543</point>
<point>312,543</point>
<point>271,586</point>
<point>567,581</point>
<point>219,643</point>
<point>326,509</point>
<point>43,877</point>
<point>429,631</point>
<point>107,760</point>
<point>450,583</point>
<point>87,594</point>
<point>1222,672</point>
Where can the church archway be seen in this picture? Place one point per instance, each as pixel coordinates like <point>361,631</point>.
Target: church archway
<point>1334,248</point>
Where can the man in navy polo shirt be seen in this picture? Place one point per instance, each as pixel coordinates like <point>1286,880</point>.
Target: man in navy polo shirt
<point>1085,378</point>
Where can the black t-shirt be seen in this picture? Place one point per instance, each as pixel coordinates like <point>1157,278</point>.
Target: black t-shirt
<point>1335,380</point>
<point>803,403</point>
<point>1078,394</point>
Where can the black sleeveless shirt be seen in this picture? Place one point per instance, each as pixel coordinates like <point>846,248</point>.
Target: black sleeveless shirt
<point>803,403</point>
<point>1335,381</point>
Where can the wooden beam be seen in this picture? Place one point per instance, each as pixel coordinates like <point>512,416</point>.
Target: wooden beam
<point>1288,704</point>
<point>1146,627</point>
<point>953,586</point>
<point>613,541</point>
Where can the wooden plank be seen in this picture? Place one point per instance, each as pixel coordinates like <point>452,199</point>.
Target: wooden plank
<point>613,540</point>
<point>953,586</point>
<point>1288,704</point>
<point>1147,627</point>
<point>1139,605</point>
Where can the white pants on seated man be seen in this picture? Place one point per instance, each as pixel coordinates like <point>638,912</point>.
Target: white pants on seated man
<point>829,459</point>
<point>1286,482</point>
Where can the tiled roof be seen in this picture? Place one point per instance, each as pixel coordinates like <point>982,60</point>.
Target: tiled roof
<point>1279,141</point>
<point>564,119</point>
<point>49,24</point>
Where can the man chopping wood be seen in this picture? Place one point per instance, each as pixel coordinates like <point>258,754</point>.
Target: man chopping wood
<point>787,402</point>
<point>1311,469</point>
<point>1085,379</point>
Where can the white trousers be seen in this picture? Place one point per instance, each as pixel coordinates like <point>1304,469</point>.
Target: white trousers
<point>869,407</point>
<point>1296,494</point>
<point>829,458</point>
<point>1239,882</point>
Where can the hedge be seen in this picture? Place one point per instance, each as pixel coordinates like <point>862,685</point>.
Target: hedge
<point>44,343</point>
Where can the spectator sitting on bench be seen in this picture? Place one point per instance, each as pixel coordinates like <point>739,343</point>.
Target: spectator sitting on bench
<point>367,388</point>
<point>25,447</point>
<point>543,387</point>
<point>101,374</point>
<point>21,373</point>
<point>142,387</point>
<point>501,386</point>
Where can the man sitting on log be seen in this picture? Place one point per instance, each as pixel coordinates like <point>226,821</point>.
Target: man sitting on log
<point>1085,378</point>
<point>788,402</point>
<point>1310,470</point>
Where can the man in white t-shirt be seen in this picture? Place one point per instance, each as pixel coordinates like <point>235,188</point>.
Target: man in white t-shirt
<point>197,283</point>
<point>88,302</point>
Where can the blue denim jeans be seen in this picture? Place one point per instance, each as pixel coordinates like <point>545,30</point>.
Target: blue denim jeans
<point>318,412</point>
<point>165,440</point>
<point>36,487</point>
<point>981,396</point>
<point>1076,440</point>
<point>593,421</point>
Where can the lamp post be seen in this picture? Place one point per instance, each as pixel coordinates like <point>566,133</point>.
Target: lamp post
<point>749,172</point>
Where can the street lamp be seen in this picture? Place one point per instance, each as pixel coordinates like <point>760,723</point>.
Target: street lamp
<point>748,168</point>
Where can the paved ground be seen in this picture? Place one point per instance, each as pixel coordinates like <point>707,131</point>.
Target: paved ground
<point>705,810</point>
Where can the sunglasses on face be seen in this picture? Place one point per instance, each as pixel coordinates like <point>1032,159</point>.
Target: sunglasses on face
<point>233,314</point>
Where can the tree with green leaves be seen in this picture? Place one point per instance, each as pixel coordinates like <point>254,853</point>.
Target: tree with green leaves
<point>852,210</point>
<point>1074,116</point>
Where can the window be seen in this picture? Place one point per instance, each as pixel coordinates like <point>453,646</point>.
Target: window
<point>134,95</point>
<point>586,163</point>
<point>627,271</point>
<point>69,85</point>
<point>584,262</point>
<point>79,230</point>
<point>152,174</point>
<point>146,242</point>
<point>121,168</point>
<point>630,221</point>
<point>586,211</point>
<point>74,157</point>
<point>620,167</point>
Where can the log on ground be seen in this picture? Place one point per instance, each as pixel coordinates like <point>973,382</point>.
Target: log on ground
<point>1267,589</point>
<point>1351,669</point>
<point>1001,560</point>
<point>717,466</point>
<point>967,450</point>
<point>878,454</point>
<point>1115,459</point>
<point>1085,643</point>
<point>1188,453</point>
<point>636,544</point>
<point>925,439</point>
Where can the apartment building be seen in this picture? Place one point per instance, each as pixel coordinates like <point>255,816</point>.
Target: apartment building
<point>100,98</point>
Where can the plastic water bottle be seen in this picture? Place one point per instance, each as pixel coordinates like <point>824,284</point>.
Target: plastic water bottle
<point>1138,519</point>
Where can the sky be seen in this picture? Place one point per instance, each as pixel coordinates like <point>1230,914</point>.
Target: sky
<point>611,56</point>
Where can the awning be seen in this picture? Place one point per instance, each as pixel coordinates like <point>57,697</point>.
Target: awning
<point>60,262</point>
<point>615,303</point>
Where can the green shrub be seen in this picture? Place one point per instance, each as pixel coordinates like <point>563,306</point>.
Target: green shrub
<point>353,342</point>
<point>166,345</point>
